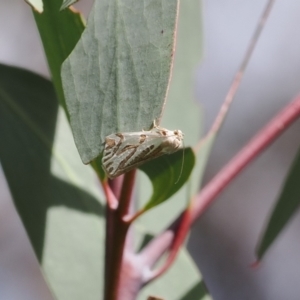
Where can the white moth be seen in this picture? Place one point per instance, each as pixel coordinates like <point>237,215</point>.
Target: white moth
<point>126,151</point>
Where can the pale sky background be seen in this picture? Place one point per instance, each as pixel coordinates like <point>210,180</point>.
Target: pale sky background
<point>223,241</point>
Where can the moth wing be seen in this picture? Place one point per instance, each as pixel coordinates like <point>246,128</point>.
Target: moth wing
<point>130,150</point>
<point>149,149</point>
<point>126,151</point>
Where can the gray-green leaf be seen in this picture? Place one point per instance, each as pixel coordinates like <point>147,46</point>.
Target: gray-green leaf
<point>116,78</point>
<point>285,207</point>
<point>168,174</point>
<point>56,196</point>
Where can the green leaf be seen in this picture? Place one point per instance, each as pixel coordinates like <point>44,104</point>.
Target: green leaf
<point>286,206</point>
<point>67,3</point>
<point>28,109</point>
<point>59,31</point>
<point>56,196</point>
<point>182,281</point>
<point>116,78</point>
<point>168,174</point>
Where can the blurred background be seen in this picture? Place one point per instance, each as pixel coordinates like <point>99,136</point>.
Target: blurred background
<point>224,239</point>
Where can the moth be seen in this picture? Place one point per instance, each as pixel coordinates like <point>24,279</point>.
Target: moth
<point>126,151</point>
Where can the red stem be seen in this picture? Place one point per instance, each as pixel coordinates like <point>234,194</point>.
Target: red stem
<point>116,185</point>
<point>208,194</point>
<point>118,228</point>
<point>111,199</point>
<point>256,145</point>
<point>239,74</point>
<point>126,192</point>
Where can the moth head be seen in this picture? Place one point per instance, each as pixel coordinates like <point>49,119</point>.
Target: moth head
<point>171,140</point>
<point>179,134</point>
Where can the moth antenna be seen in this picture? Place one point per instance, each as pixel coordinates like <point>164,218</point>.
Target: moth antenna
<point>181,164</point>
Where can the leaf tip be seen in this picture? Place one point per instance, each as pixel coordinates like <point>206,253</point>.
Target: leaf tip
<point>255,265</point>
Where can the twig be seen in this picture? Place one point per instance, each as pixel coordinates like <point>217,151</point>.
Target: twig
<point>126,193</point>
<point>239,75</point>
<point>119,229</point>
<point>256,145</point>
<point>208,194</point>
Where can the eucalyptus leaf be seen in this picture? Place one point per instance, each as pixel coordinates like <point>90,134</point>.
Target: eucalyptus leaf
<point>117,77</point>
<point>59,31</point>
<point>168,174</point>
<point>287,204</point>
<point>56,196</point>
<point>28,109</point>
<point>181,282</point>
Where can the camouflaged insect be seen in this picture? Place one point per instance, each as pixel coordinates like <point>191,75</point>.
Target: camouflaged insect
<point>126,151</point>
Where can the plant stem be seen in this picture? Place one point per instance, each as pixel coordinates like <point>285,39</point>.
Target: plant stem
<point>116,230</point>
<point>255,146</point>
<point>111,199</point>
<point>209,193</point>
<point>239,75</point>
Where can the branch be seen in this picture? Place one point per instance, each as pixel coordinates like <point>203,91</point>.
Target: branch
<point>255,147</point>
<point>239,75</point>
<point>207,195</point>
<point>116,231</point>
